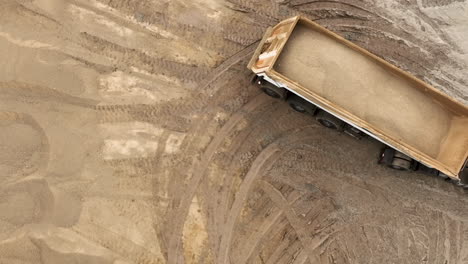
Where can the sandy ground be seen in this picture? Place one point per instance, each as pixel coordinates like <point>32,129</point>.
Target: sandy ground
<point>129,133</point>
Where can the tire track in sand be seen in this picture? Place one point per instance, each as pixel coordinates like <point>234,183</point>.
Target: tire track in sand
<point>182,207</point>
<point>253,244</point>
<point>261,164</point>
<point>125,58</point>
<point>309,244</point>
<point>271,125</point>
<point>213,205</point>
<point>180,213</point>
<point>245,141</point>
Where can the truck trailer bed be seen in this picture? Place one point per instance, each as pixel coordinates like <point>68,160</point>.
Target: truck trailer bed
<point>369,92</point>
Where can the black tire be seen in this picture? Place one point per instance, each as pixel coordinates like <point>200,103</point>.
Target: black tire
<point>353,132</point>
<point>464,177</point>
<point>300,105</point>
<point>329,121</point>
<point>401,162</point>
<point>386,156</point>
<point>273,91</point>
<point>254,78</point>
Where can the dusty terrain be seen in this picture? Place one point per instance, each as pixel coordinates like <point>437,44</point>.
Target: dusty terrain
<point>129,133</point>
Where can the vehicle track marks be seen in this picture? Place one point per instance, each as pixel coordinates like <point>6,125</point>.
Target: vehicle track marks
<point>125,58</point>
<point>243,141</point>
<point>248,143</point>
<point>310,244</point>
<point>253,244</point>
<point>237,143</point>
<point>182,209</point>
<point>120,18</point>
<point>265,159</point>
<point>127,249</point>
<point>261,164</point>
<point>34,93</point>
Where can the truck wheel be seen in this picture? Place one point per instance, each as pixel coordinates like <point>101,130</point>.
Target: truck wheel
<point>273,91</point>
<point>442,175</point>
<point>328,120</point>
<point>386,156</point>
<point>300,105</point>
<point>353,132</point>
<point>464,177</point>
<point>254,78</point>
<point>401,162</point>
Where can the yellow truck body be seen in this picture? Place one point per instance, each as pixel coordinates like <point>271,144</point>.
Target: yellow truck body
<point>366,92</point>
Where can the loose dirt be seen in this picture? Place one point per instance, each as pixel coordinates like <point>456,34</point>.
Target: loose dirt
<point>385,100</point>
<point>129,133</point>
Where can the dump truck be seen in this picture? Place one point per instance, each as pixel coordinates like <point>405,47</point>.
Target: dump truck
<point>349,89</point>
